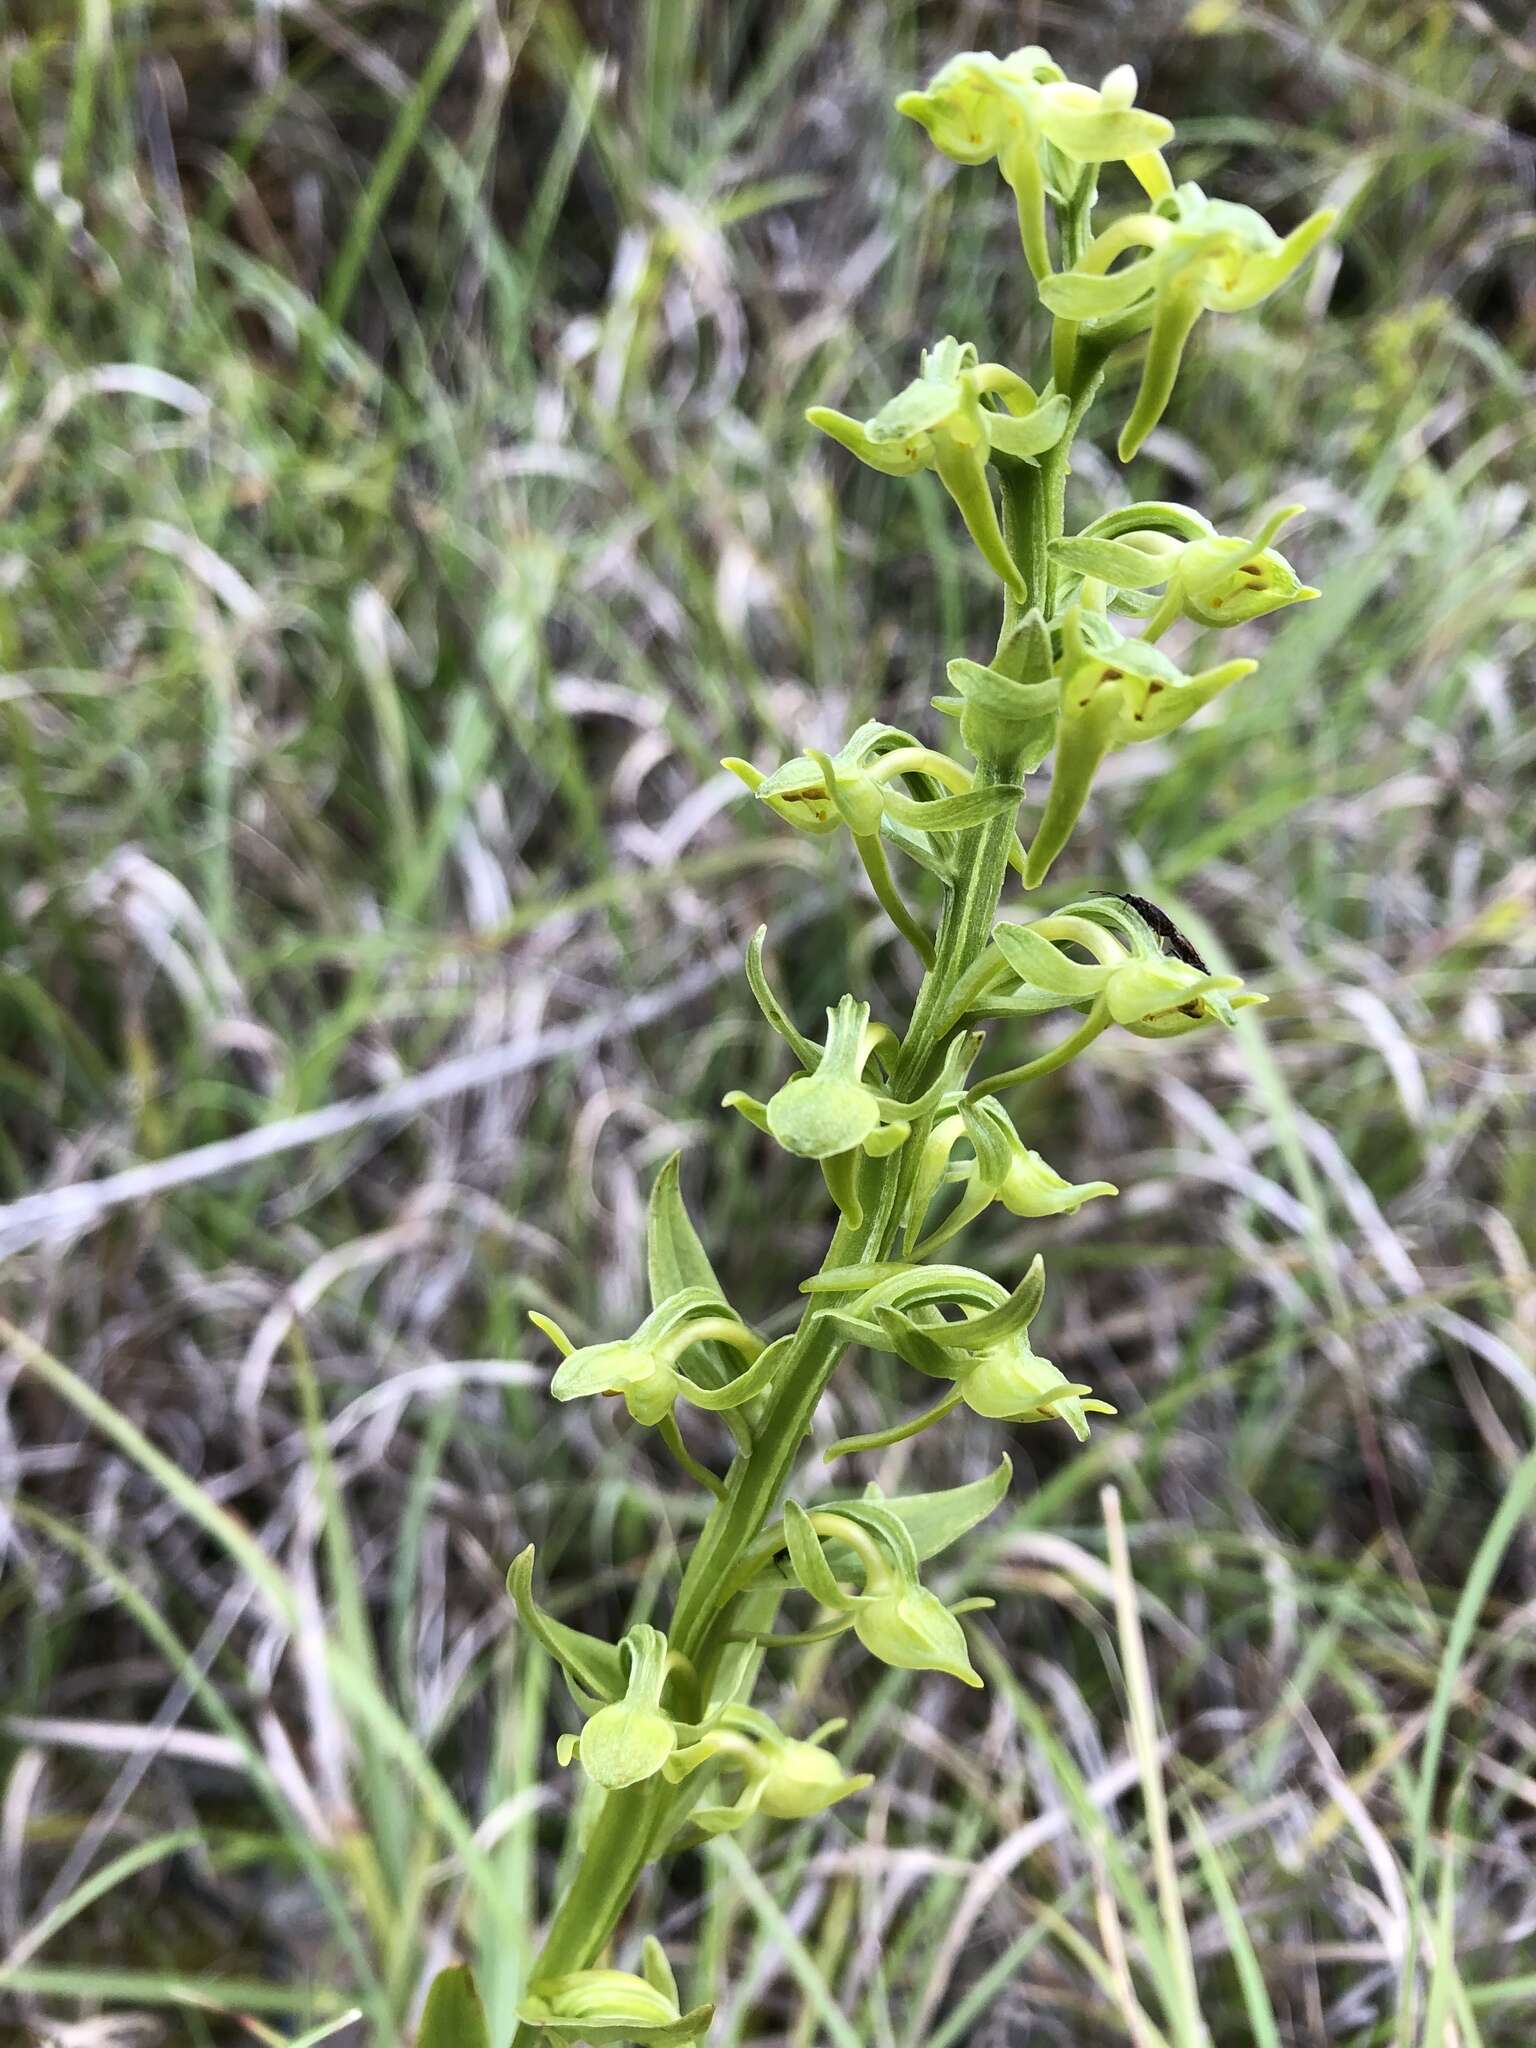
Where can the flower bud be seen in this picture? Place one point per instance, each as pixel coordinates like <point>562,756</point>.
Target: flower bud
<point>603,2006</point>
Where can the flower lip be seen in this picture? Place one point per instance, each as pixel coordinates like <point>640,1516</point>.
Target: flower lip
<point>817,1116</point>
<point>623,1744</point>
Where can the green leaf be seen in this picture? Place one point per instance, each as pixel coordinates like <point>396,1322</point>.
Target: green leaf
<point>675,1256</point>
<point>808,1559</point>
<point>955,813</point>
<point>454,2016</point>
<point>593,1668</point>
<point>1119,563</point>
<point>676,1259</point>
<point>936,1520</point>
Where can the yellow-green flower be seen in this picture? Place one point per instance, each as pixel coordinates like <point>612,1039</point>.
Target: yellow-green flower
<point>784,1778</point>
<point>979,106</point>
<point>943,421</point>
<point>985,1353</point>
<point>1114,692</point>
<point>866,786</point>
<point>1203,255</point>
<point>1129,980</point>
<point>1002,1169</point>
<point>644,1370</point>
<point>893,1614</point>
<point>832,1113</point>
<point>1215,579</point>
<point>629,1739</point>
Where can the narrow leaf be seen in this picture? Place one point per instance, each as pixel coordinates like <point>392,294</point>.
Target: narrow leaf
<point>591,1666</point>
<point>454,2016</point>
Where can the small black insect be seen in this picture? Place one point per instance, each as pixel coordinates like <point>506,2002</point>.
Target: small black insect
<point>1167,931</point>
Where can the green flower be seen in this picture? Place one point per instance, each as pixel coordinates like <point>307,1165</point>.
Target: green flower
<point>1203,255</point>
<point>896,1617</point>
<point>861,786</point>
<point>985,1351</point>
<point>601,2006</point>
<point>1129,980</point>
<point>944,421</point>
<point>1019,108</point>
<point>1114,692</point>
<point>784,1779</point>
<point>630,1739</point>
<point>644,1369</point>
<point>1002,1168</point>
<point>1214,579</point>
<point>831,1113</point>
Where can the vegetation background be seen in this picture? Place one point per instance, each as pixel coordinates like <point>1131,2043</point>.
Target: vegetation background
<point>406,501</point>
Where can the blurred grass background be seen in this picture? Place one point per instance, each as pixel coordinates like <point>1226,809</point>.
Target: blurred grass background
<point>405,502</point>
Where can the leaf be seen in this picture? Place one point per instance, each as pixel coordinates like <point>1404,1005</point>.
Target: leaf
<point>808,1053</point>
<point>808,1559</point>
<point>591,1666</point>
<point>1040,964</point>
<point>936,1520</point>
<point>1032,433</point>
<point>1115,562</point>
<point>676,1259</point>
<point>454,2016</point>
<point>954,813</point>
<point>674,1254</point>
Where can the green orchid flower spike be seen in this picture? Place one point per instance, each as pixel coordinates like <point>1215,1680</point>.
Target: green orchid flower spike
<point>913,1148</point>
<point>1115,692</point>
<point>601,2006</point>
<point>1041,128</point>
<point>950,419</point>
<point>1203,256</point>
<point>1211,578</point>
<point>783,1779</point>
<point>632,1738</point>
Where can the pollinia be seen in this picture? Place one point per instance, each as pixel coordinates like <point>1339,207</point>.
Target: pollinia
<point>907,1119</point>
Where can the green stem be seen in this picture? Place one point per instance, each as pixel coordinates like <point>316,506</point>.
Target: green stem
<point>1096,1021</point>
<point>881,880</point>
